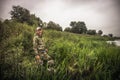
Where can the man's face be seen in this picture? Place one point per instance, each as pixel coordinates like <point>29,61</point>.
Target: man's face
<point>39,32</point>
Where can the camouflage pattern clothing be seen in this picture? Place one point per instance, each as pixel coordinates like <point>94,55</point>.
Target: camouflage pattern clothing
<point>41,54</point>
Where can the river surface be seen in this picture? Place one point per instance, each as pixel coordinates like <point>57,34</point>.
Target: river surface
<point>116,42</point>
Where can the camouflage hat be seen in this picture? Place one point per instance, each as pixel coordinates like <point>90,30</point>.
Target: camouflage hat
<point>38,28</point>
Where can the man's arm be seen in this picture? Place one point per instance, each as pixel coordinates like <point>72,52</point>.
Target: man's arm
<point>35,45</point>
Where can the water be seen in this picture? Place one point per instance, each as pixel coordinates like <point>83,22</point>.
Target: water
<point>116,42</point>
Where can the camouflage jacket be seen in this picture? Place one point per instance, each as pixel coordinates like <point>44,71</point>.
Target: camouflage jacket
<point>38,44</point>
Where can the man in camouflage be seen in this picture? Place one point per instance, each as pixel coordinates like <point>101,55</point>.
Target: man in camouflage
<point>39,48</point>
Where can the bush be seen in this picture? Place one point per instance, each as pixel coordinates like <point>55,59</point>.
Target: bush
<point>78,57</point>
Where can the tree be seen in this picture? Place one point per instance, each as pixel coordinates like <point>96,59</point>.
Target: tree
<point>100,32</point>
<point>91,32</point>
<point>23,15</point>
<point>78,27</point>
<point>1,30</point>
<point>73,23</point>
<point>20,14</point>
<point>67,29</point>
<point>35,21</point>
<point>54,26</point>
<point>105,35</point>
<point>110,35</point>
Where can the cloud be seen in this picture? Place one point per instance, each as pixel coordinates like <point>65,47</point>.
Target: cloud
<point>6,6</point>
<point>2,2</point>
<point>97,14</point>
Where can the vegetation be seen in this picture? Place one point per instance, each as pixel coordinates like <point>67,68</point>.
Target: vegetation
<point>76,56</point>
<point>91,32</point>
<point>77,27</point>
<point>23,15</point>
<point>52,25</point>
<point>67,29</point>
<point>100,32</point>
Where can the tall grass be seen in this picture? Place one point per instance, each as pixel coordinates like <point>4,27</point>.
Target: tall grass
<point>77,57</point>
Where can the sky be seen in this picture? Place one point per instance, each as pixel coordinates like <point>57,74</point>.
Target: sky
<point>97,14</point>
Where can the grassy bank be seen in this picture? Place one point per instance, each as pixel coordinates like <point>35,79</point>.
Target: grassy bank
<point>77,57</point>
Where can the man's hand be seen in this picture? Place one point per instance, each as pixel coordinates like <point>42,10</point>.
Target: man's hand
<point>37,57</point>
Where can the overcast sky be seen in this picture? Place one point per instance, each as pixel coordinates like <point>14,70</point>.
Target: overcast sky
<point>97,14</point>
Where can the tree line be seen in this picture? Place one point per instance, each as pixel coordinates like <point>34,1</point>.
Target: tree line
<point>23,15</point>
<point>80,28</point>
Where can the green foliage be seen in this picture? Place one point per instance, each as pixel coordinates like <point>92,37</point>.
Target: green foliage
<point>78,27</point>
<point>23,15</point>
<point>77,56</point>
<point>67,29</point>
<point>14,48</point>
<point>20,14</point>
<point>110,35</point>
<point>91,32</point>
<point>54,26</point>
<point>100,32</point>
